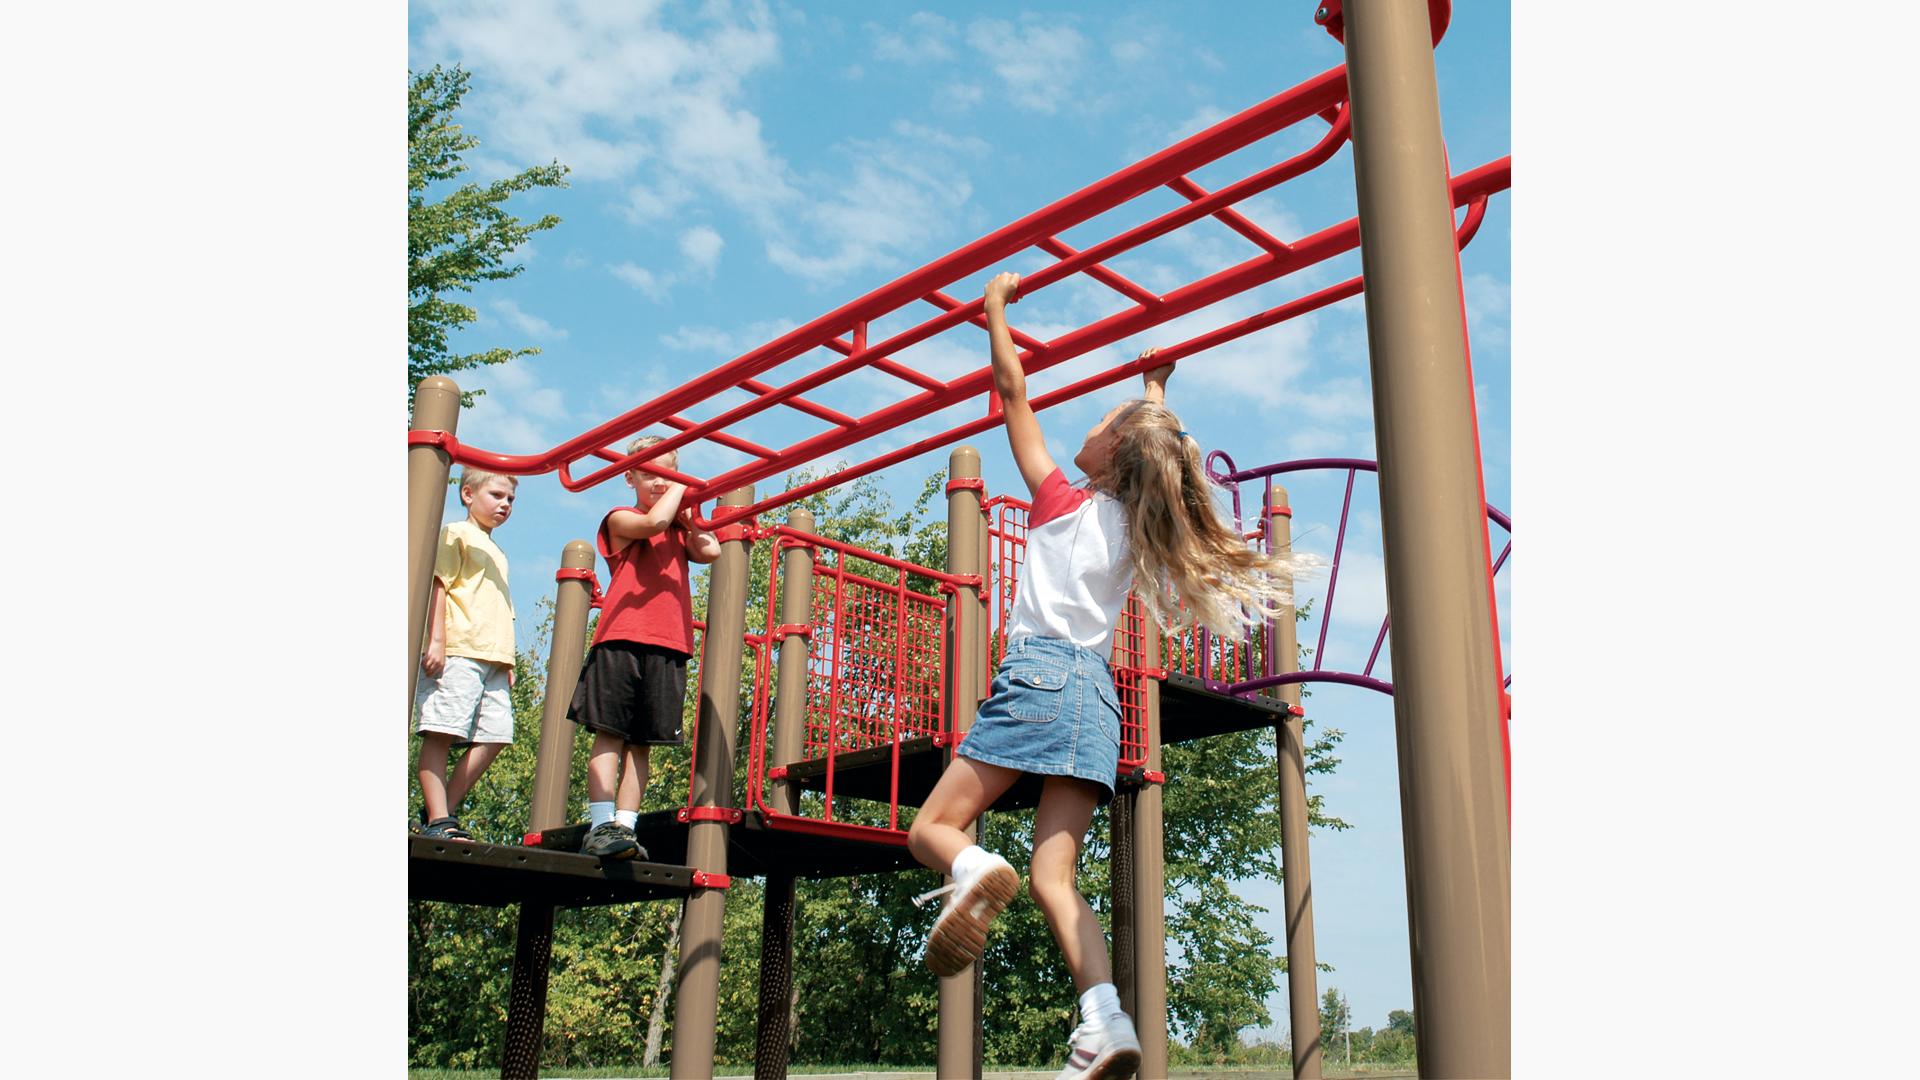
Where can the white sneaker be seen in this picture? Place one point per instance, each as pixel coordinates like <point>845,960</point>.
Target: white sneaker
<point>1102,1048</point>
<point>959,936</point>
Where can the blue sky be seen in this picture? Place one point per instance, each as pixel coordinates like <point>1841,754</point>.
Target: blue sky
<point>739,169</point>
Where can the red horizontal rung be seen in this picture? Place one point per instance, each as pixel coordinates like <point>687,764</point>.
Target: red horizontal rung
<point>1229,217</point>
<point>1059,249</point>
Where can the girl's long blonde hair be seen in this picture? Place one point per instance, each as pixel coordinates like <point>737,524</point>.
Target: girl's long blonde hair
<point>1182,553</point>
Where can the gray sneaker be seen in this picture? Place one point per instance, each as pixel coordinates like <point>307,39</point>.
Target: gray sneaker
<point>610,841</point>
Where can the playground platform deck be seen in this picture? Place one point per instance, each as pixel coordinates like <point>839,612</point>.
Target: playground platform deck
<point>495,875</point>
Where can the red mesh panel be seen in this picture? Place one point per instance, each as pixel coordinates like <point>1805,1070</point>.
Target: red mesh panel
<point>1130,681</point>
<point>874,665</point>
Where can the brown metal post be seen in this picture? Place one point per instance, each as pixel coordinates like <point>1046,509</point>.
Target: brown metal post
<point>553,770</point>
<point>1121,877</point>
<point>773,1034</point>
<point>1150,885</point>
<point>959,1011</point>
<point>1296,881</point>
<point>698,993</point>
<point>533,944</point>
<point>1446,700</point>
<point>436,407</point>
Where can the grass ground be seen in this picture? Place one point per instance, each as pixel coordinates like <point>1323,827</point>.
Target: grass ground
<point>1333,1071</point>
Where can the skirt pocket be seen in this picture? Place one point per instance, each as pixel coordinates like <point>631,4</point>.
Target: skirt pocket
<point>1036,693</point>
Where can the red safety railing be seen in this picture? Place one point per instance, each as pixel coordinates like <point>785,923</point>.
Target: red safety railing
<point>876,672</point>
<point>836,344</point>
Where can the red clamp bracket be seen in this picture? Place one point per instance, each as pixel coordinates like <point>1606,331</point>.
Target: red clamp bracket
<point>1153,776</point>
<point>1439,14</point>
<point>725,814</point>
<point>1280,511</point>
<point>1153,673</point>
<point>778,772</point>
<point>966,483</point>
<point>1295,710</point>
<point>748,530</point>
<point>588,576</point>
<point>967,581</point>
<point>1140,775</point>
<point>787,542</point>
<point>704,880</point>
<point>947,738</point>
<point>791,629</point>
<point>429,437</point>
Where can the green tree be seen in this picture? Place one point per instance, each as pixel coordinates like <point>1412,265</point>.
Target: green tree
<point>465,237</point>
<point>1334,1021</point>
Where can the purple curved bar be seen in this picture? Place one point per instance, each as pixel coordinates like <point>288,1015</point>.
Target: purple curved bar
<point>1251,686</point>
<point>1221,470</point>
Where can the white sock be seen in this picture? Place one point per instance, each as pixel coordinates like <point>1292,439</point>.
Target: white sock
<point>1102,1000</point>
<point>971,860</point>
<point>599,813</point>
<point>626,817</point>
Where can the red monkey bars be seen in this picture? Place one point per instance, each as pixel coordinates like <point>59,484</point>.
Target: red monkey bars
<point>844,330</point>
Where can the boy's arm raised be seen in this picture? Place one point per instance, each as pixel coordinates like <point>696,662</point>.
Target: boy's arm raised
<point>1010,383</point>
<point>630,525</point>
<point>702,546</point>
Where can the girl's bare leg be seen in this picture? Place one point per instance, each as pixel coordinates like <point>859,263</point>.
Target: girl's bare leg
<point>1059,827</point>
<point>964,792</point>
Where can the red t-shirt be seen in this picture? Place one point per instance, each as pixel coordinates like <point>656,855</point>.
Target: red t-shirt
<point>647,598</point>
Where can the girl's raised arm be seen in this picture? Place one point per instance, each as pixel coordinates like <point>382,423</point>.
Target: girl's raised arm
<point>1010,382</point>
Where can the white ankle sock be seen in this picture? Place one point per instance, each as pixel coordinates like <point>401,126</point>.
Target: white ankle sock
<point>1102,1001</point>
<point>626,817</point>
<point>599,813</point>
<point>971,860</point>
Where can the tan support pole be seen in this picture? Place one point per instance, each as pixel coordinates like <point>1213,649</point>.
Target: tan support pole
<point>1121,879</point>
<point>693,1023</point>
<point>436,407</point>
<point>533,944</point>
<point>773,1032</point>
<point>1296,880</point>
<point>959,1011</point>
<point>1446,700</point>
<point>1150,884</point>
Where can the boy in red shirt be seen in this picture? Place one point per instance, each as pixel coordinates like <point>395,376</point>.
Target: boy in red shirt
<point>632,689</point>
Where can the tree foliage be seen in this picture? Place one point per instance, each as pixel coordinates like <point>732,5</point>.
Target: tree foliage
<point>465,237</point>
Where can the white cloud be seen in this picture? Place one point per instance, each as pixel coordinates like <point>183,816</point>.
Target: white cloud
<point>531,325</point>
<point>641,278</point>
<point>1488,299</point>
<point>923,40</point>
<point>960,96</point>
<point>1036,62</point>
<point>701,245</point>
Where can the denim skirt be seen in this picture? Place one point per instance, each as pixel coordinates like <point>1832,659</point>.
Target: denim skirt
<point>1052,711</point>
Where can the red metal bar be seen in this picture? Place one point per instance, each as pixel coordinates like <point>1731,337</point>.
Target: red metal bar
<point>893,368</point>
<point>1231,218</point>
<point>947,303</point>
<point>1259,270</point>
<point>1248,126</point>
<point>1060,249</point>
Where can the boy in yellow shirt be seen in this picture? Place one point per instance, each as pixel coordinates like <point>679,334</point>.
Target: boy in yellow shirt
<point>468,663</point>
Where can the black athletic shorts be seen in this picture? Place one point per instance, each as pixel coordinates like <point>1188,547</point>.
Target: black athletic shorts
<point>633,691</point>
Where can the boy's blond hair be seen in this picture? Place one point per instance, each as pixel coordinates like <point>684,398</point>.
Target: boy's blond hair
<point>471,478</point>
<point>670,459</point>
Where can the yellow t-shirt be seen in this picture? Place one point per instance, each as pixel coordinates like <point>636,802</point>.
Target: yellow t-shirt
<point>479,608</point>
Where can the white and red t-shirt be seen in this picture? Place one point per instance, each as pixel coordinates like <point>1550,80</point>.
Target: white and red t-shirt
<point>647,598</point>
<point>1078,569</point>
